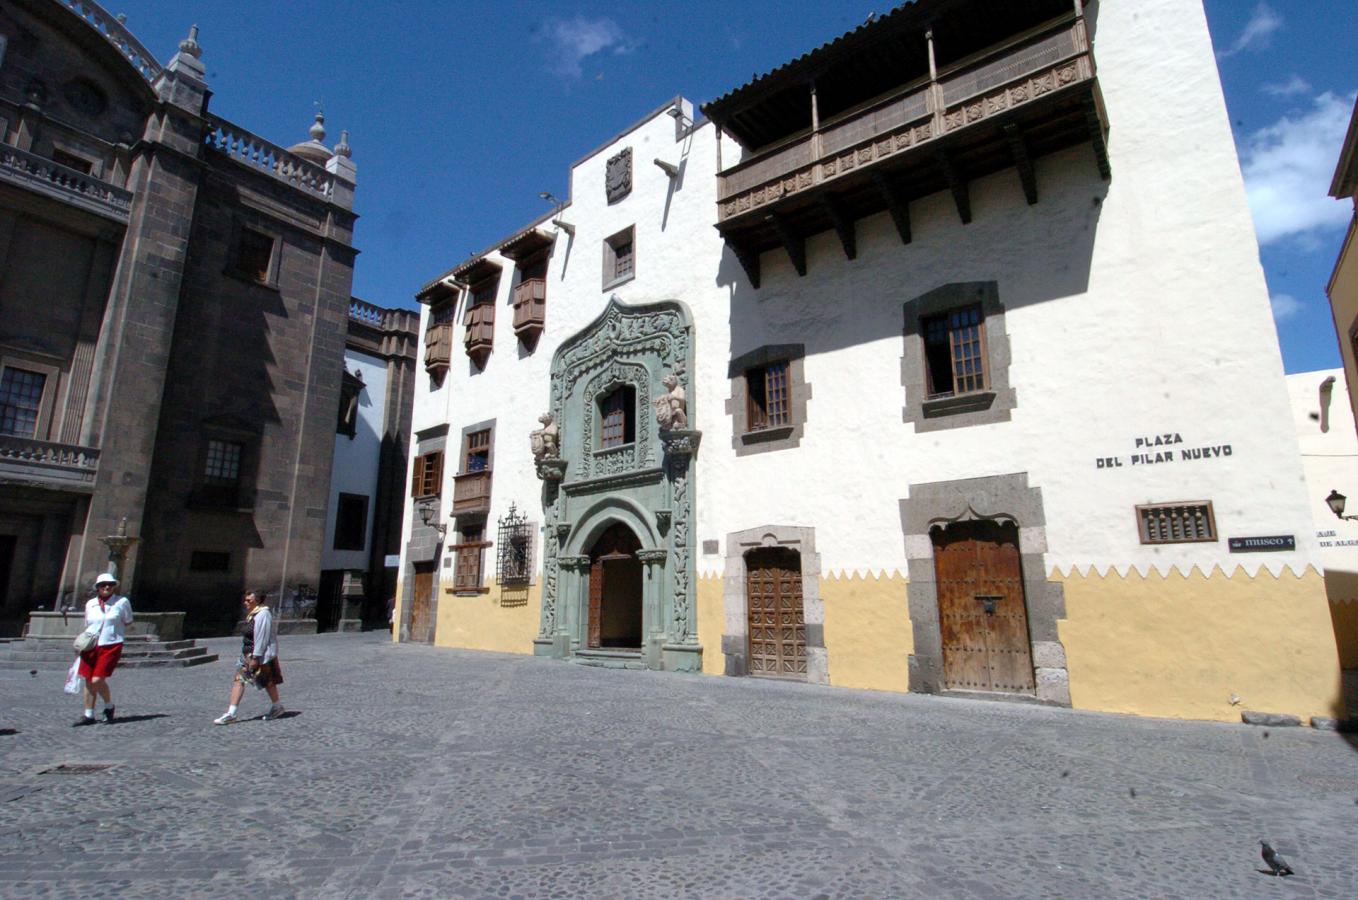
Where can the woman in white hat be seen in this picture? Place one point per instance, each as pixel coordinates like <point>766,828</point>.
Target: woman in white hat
<point>107,614</point>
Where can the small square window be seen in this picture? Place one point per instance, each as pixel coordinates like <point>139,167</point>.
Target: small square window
<point>768,396</point>
<point>351,522</point>
<point>254,255</point>
<point>954,352</point>
<point>619,258</point>
<point>21,394</point>
<point>223,462</point>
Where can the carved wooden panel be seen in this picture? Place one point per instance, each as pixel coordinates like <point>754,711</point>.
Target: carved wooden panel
<point>777,621</point>
<point>982,611</point>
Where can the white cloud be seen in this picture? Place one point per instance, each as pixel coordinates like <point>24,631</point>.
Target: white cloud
<point>1258,31</point>
<point>1285,306</point>
<point>1288,167</point>
<point>1292,87</point>
<point>574,40</point>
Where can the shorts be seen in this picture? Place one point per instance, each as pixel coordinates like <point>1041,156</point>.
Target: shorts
<point>263,675</point>
<point>99,662</point>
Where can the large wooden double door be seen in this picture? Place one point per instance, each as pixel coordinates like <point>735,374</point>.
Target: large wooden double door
<point>777,619</point>
<point>982,611</point>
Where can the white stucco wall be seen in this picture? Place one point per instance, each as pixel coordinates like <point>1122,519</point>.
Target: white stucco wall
<point>1331,461</point>
<point>355,463</point>
<point>1134,308</point>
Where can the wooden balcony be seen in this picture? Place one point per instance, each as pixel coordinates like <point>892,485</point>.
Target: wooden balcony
<point>1002,108</point>
<point>438,348</point>
<point>471,493</point>
<point>530,309</point>
<point>480,334</point>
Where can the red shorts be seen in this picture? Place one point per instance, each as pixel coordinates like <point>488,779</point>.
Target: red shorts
<point>99,662</point>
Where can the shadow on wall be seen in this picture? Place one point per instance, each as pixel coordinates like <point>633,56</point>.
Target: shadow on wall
<point>1342,590</point>
<point>1035,254</point>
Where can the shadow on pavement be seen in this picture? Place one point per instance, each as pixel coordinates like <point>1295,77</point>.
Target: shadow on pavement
<point>123,720</point>
<point>5,732</point>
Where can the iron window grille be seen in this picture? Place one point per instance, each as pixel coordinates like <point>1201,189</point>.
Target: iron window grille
<point>1177,523</point>
<point>514,557</point>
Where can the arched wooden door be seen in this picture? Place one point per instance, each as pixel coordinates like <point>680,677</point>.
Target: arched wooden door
<point>982,610</point>
<point>777,619</point>
<point>615,590</point>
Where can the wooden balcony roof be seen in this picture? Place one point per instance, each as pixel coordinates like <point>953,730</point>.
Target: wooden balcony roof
<point>881,54</point>
<point>526,243</point>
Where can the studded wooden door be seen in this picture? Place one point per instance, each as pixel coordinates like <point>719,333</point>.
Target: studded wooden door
<point>982,611</point>
<point>422,604</point>
<point>617,544</point>
<point>777,622</point>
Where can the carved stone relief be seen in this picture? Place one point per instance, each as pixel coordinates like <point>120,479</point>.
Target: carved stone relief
<point>618,176</point>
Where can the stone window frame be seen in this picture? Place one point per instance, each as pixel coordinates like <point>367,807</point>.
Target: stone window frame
<point>735,638</point>
<point>999,498</point>
<point>45,427</point>
<point>233,267</point>
<point>484,425</point>
<point>624,237</point>
<point>997,401</point>
<point>781,437</point>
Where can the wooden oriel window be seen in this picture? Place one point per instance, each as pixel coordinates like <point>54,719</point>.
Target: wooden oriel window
<point>477,456</point>
<point>767,400</point>
<point>254,255</point>
<point>1176,523</point>
<point>954,351</point>
<point>618,417</point>
<point>427,479</point>
<point>467,571</point>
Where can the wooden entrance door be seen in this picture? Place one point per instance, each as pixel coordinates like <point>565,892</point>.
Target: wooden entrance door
<point>777,621</point>
<point>615,590</point>
<point>982,612</point>
<point>422,604</point>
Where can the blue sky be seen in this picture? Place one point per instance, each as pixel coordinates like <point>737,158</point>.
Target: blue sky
<point>460,113</point>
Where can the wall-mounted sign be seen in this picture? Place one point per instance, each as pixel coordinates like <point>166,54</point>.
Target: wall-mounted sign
<point>1262,544</point>
<point>1156,449</point>
<point>391,561</point>
<point>1329,539</point>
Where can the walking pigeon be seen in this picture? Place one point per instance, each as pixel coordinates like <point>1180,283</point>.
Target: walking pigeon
<point>1275,862</point>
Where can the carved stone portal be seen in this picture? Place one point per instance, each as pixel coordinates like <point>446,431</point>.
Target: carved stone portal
<point>646,486</point>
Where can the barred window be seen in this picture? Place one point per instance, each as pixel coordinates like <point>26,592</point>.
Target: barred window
<point>223,462</point>
<point>954,352</point>
<point>619,257</point>
<point>768,396</point>
<point>20,401</point>
<point>1177,523</point>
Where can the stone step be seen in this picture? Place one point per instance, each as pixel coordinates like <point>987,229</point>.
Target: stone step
<point>45,654</point>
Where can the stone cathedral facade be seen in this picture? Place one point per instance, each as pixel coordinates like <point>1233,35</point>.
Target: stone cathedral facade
<point>921,362</point>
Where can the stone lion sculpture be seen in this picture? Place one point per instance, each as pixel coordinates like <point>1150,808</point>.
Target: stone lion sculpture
<point>671,408</point>
<point>546,441</point>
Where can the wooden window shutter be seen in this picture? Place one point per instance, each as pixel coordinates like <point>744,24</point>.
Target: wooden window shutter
<point>417,478</point>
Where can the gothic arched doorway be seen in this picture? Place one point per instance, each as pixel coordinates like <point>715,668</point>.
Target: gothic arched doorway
<point>615,592</point>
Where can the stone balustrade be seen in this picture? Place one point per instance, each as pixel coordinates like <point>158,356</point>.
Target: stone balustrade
<point>69,466</point>
<point>116,34</point>
<point>40,174</point>
<point>254,151</point>
<point>367,313</point>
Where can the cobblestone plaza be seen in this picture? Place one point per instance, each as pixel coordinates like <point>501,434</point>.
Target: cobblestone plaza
<point>405,770</point>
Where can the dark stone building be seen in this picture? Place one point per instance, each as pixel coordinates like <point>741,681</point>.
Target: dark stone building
<point>175,300</point>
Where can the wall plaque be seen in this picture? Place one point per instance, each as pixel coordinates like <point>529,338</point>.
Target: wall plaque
<point>1262,544</point>
<point>618,176</point>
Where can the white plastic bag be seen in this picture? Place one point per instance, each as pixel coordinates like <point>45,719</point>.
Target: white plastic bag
<point>73,678</point>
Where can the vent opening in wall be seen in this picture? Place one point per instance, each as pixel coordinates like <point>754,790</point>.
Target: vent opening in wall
<point>1176,523</point>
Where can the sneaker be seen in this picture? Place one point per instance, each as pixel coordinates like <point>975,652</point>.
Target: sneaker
<point>274,712</point>
<point>108,715</point>
<point>85,720</point>
<point>224,719</point>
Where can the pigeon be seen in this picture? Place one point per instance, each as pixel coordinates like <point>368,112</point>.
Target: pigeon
<point>1275,862</point>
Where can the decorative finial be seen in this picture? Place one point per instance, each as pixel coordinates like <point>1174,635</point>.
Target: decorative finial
<point>190,44</point>
<point>342,148</point>
<point>317,129</point>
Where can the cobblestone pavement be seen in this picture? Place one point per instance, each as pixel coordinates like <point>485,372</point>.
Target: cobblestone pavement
<point>416,771</point>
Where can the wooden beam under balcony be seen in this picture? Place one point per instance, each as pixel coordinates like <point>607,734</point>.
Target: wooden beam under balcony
<point>961,192</point>
<point>896,205</point>
<point>843,224</point>
<point>793,243</point>
<point>1018,149</point>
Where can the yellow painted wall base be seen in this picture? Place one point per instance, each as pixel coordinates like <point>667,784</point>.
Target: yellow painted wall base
<point>711,623</point>
<point>504,620</point>
<point>1180,646</point>
<point>868,638</point>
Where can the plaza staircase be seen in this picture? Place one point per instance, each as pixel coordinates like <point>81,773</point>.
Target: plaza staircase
<point>139,652</point>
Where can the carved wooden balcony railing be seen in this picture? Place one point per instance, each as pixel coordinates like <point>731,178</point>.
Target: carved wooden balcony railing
<point>260,154</point>
<point>471,493</point>
<point>438,348</point>
<point>530,308</point>
<point>64,466</point>
<point>40,174</point>
<point>480,335</point>
<point>1002,108</point>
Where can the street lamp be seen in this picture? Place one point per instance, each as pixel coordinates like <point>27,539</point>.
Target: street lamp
<point>1336,503</point>
<point>429,516</point>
